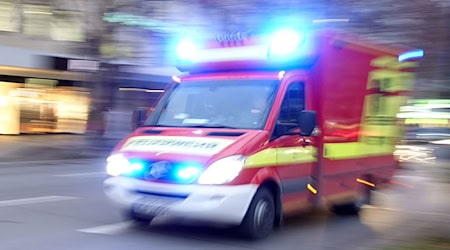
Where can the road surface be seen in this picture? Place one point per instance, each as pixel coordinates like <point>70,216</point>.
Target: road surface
<point>60,205</point>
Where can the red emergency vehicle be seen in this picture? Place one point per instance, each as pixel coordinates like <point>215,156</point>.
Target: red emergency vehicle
<point>266,125</point>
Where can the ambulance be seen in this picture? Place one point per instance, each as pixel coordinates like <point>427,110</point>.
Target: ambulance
<point>261,126</point>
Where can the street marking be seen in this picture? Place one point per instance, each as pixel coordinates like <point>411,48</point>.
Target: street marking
<point>82,174</point>
<point>406,211</point>
<point>35,200</point>
<point>56,161</point>
<point>110,229</point>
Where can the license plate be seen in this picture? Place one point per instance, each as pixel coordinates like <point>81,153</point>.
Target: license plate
<point>151,206</point>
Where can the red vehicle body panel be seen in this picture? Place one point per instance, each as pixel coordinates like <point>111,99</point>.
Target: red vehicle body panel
<point>336,75</point>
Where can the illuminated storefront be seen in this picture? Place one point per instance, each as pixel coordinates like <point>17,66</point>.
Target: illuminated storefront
<point>9,109</point>
<point>52,103</point>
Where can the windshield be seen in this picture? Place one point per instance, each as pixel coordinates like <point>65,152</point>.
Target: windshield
<point>243,104</point>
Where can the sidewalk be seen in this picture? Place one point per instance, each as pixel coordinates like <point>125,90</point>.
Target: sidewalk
<point>53,147</point>
<point>43,147</point>
<point>408,215</point>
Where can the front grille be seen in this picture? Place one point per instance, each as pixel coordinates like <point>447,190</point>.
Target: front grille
<point>175,196</point>
<point>163,171</point>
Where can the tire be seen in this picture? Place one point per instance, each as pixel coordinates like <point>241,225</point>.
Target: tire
<point>355,206</point>
<point>259,220</point>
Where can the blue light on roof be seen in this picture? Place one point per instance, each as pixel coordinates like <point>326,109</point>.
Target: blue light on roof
<point>285,42</point>
<point>413,54</point>
<point>186,50</point>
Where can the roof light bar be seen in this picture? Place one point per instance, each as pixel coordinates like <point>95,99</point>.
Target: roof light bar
<point>285,42</point>
<point>413,54</point>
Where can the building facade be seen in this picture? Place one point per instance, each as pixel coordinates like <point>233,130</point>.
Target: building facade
<point>40,89</point>
<point>121,51</point>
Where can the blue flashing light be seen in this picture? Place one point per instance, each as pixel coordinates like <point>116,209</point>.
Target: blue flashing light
<point>188,173</point>
<point>136,166</point>
<point>285,42</point>
<point>119,165</point>
<point>413,54</point>
<point>186,50</point>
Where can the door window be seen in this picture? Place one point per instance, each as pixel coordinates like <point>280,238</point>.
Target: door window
<point>293,104</point>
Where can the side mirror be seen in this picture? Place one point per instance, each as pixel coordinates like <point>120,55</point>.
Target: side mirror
<point>307,122</point>
<point>139,117</point>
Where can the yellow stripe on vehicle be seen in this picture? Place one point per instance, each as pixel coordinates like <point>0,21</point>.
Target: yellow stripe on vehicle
<point>282,156</point>
<point>266,157</point>
<point>349,150</point>
<point>391,104</point>
<point>392,63</point>
<point>296,155</point>
<point>398,81</point>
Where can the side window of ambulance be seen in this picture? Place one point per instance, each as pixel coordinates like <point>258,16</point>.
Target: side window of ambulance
<point>293,104</point>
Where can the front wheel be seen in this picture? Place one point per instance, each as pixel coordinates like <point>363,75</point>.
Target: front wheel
<point>259,221</point>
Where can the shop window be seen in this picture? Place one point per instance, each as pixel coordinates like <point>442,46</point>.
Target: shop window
<point>9,16</point>
<point>67,26</point>
<point>37,20</point>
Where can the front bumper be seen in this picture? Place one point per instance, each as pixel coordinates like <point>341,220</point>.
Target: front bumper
<point>211,203</point>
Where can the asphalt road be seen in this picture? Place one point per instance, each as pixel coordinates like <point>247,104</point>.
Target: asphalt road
<point>60,205</point>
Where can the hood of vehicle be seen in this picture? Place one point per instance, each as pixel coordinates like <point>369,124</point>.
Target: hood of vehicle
<point>190,144</point>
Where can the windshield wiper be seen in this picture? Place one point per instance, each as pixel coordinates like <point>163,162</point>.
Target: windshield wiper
<point>191,126</point>
<point>211,126</point>
<point>159,125</point>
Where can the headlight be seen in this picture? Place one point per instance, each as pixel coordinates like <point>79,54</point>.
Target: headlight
<point>223,170</point>
<point>119,165</point>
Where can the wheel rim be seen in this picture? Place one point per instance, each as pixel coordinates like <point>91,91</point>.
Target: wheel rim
<point>263,216</point>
